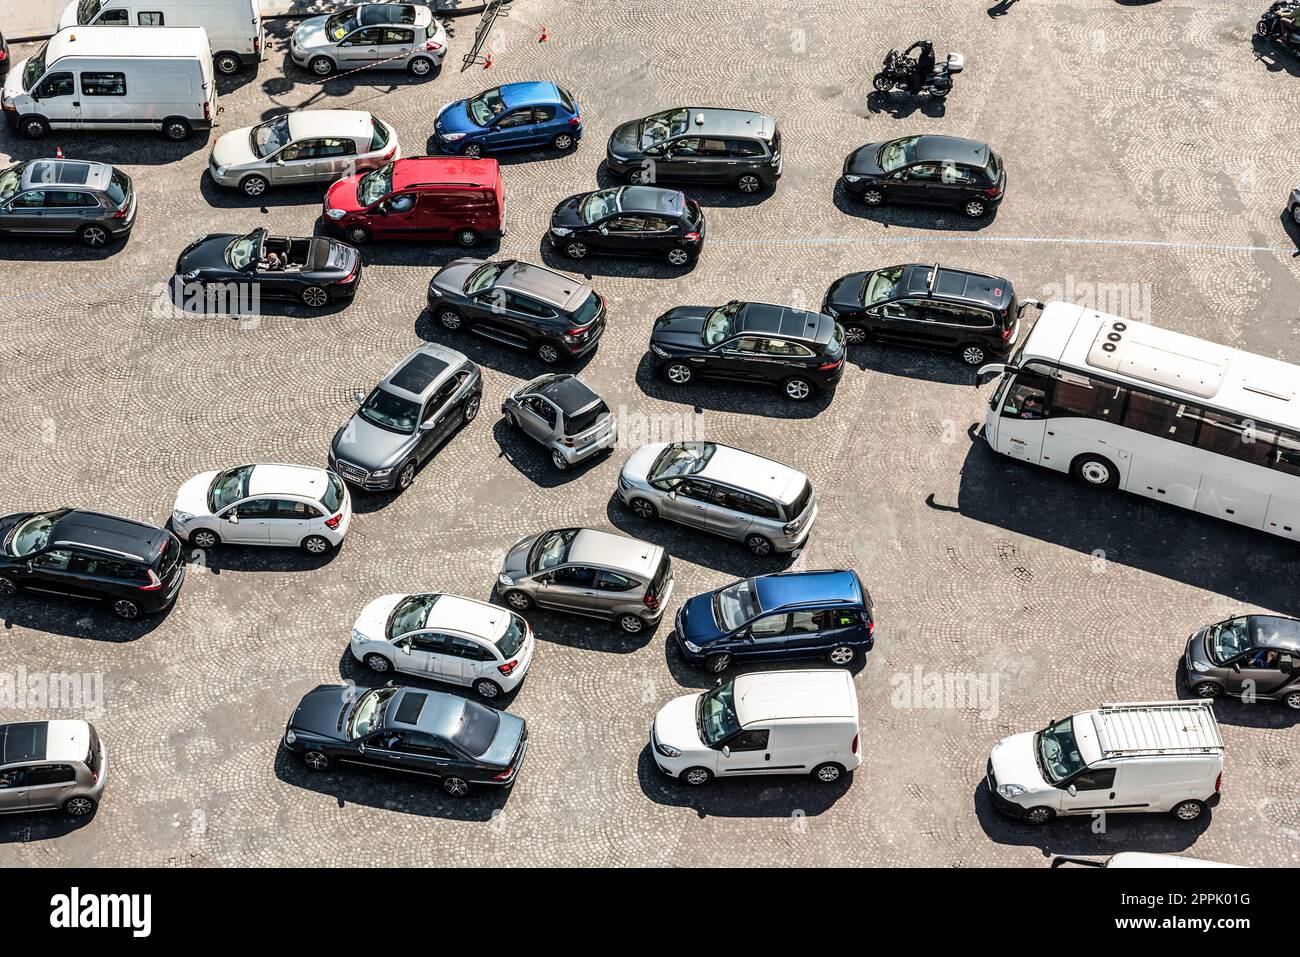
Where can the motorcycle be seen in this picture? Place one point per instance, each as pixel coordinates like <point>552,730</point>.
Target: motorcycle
<point>1280,24</point>
<point>898,70</point>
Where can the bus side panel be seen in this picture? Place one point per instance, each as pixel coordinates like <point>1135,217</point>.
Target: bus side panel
<point>1283,518</point>
<point>1164,481</point>
<point>1236,503</point>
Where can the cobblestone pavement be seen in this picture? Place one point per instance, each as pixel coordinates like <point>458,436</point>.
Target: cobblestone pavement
<point>1150,151</point>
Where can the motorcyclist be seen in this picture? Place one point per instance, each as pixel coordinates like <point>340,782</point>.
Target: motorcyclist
<point>924,64</point>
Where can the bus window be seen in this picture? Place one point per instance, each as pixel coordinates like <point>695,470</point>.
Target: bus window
<point>1288,453</point>
<point>1235,437</point>
<point>1081,395</point>
<point>1161,417</point>
<point>1027,399</point>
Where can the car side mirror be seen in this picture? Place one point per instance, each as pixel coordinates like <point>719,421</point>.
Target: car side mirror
<point>31,566</point>
<point>1236,666</point>
<point>404,646</point>
<point>726,751</point>
<point>1073,791</point>
<point>672,494</point>
<point>361,748</point>
<point>232,517</point>
<point>898,176</point>
<point>426,426</point>
<point>604,230</point>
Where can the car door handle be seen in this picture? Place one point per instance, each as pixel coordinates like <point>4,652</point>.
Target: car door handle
<point>767,757</point>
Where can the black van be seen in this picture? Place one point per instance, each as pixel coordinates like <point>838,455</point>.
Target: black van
<point>973,315</point>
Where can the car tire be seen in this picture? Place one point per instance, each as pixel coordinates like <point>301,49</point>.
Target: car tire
<point>564,142</point>
<point>176,129</point>
<point>679,373</point>
<point>559,461</point>
<point>632,624</point>
<point>94,235</point>
<point>126,609</point>
<point>455,787</point>
<point>855,335</point>
<point>204,538</point>
<point>449,318</point>
<point>748,183</point>
<point>315,297</point>
<point>316,545</point>
<point>518,600</point>
<point>797,389</point>
<point>420,66</point>
<point>1095,471</point>
<point>972,354</point>
<point>35,127</point>
<point>678,256</point>
<point>717,664</point>
<point>575,249</point>
<point>253,185</point>
<point>472,151</point>
<point>358,235</point>
<point>466,238</point>
<point>1292,700</point>
<point>470,412</point>
<point>8,588</point>
<point>406,476</point>
<point>227,63</point>
<point>377,663</point>
<point>321,66</point>
<point>1037,816</point>
<point>487,689</point>
<point>975,208</point>
<point>548,352</point>
<point>1188,811</point>
<point>696,777</point>
<point>644,509</point>
<point>639,176</point>
<point>759,545</point>
<point>842,655</point>
<point>1207,689</point>
<point>316,760</point>
<point>873,196</point>
<point>828,773</point>
<point>79,806</point>
<point>1295,214</point>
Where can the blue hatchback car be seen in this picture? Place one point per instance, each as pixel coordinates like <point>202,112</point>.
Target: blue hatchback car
<point>821,614</point>
<point>510,117</point>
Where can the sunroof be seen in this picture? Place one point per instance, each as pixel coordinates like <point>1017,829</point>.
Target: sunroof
<point>408,712</point>
<point>23,742</point>
<point>416,375</point>
<point>64,174</point>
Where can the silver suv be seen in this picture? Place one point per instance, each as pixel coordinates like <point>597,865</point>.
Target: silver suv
<point>768,506</point>
<point>51,766</point>
<point>586,572</point>
<point>52,197</point>
<point>564,415</point>
<point>385,35</point>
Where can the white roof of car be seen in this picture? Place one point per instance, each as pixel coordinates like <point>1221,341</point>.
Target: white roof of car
<point>592,547</point>
<point>753,473</point>
<point>67,741</point>
<point>287,480</point>
<point>123,42</point>
<point>772,695</point>
<point>468,616</point>
<point>357,124</point>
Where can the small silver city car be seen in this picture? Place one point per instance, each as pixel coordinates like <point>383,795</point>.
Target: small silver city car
<point>51,766</point>
<point>586,572</point>
<point>768,506</point>
<point>564,415</point>
<point>390,36</point>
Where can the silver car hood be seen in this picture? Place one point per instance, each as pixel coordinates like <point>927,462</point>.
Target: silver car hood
<point>370,446</point>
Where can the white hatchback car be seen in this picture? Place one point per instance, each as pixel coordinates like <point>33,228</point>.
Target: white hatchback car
<point>290,505</point>
<point>445,638</point>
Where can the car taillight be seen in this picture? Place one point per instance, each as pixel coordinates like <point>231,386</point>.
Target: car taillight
<point>257,44</point>
<point>153,584</point>
<point>568,440</point>
<point>349,277</point>
<point>993,191</point>
<point>828,366</point>
<point>207,110</point>
<point>691,237</point>
<point>433,46</point>
<point>1218,782</point>
<point>390,154</point>
<point>120,213</point>
<point>650,601</point>
<point>575,121</point>
<point>334,522</point>
<point>508,667</point>
<point>578,331</point>
<point>871,629</point>
<point>3,56</point>
<point>855,743</point>
<point>504,774</point>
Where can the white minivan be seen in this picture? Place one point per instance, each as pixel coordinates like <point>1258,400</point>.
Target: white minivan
<point>234,27</point>
<point>769,722</point>
<point>1161,756</point>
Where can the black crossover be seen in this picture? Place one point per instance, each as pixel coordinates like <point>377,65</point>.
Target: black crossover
<point>312,269</point>
<point>629,221</point>
<point>132,566</point>
<point>927,171</point>
<point>736,148</point>
<point>799,351</point>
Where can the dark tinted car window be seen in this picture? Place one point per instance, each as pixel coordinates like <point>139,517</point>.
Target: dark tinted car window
<point>745,148</point>
<point>58,84</point>
<point>103,84</point>
<point>117,187</point>
<point>1235,437</point>
<point>576,576</point>
<point>543,114</point>
<point>1160,417</point>
<point>257,508</point>
<point>577,424</point>
<point>755,740</point>
<point>50,774</point>
<point>1095,779</point>
<point>610,581</point>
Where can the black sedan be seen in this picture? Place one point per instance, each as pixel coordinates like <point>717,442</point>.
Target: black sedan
<point>927,171</point>
<point>629,221</point>
<point>312,270</point>
<point>443,737</point>
<point>797,350</point>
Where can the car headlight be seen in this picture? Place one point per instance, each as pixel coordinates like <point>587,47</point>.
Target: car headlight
<point>668,751</point>
<point>380,473</point>
<point>1010,790</point>
<point>290,737</point>
<point>358,637</point>
<point>7,101</point>
<point>561,231</point>
<point>190,276</point>
<point>1200,666</point>
<point>505,579</point>
<point>692,647</point>
<point>661,353</point>
<point>180,518</point>
<point>453,137</point>
<point>852,178</point>
<point>831,311</point>
<point>336,213</point>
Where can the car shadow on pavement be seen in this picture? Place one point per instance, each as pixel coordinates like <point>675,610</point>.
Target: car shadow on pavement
<point>254,558</point>
<point>221,197</point>
<point>506,359</point>
<point>1292,229</point>
<point>693,678</point>
<point>713,196</point>
<point>533,462</point>
<point>52,249</point>
<point>429,254</point>
<point>1232,710</point>
<point>910,217</point>
<point>354,672</point>
<point>755,796</point>
<point>625,267</point>
<point>40,826</point>
<point>721,395</point>
<point>931,365</point>
<point>289,77</point>
<point>74,619</point>
<point>232,301</point>
<point>580,631</point>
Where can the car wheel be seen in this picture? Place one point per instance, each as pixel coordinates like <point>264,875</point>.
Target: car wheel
<point>558,460</point>
<point>677,256</point>
<point>678,373</point>
<point>315,545</point>
<point>450,319</point>
<point>759,545</point>
<point>176,128</point>
<point>563,142</point>
<point>548,352</point>
<point>643,509</point>
<point>827,773</point>
<point>972,354</point>
<point>873,196</point>
<point>79,806</point>
<point>1095,470</point>
<point>406,476</point>
<point>315,297</point>
<point>842,655</point>
<point>316,760</point>
<point>321,66</point>
<point>1207,689</point>
<point>253,185</point>
<point>487,688</point>
<point>575,250</point>
<point>204,538</point>
<point>8,588</point>
<point>1295,214</point>
<point>472,404</point>
<point>358,234</point>
<point>93,235</point>
<point>717,664</point>
<point>696,777</point>
<point>640,176</point>
<point>855,335</point>
<point>1293,700</point>
<point>227,64</point>
<point>467,238</point>
<point>377,663</point>
<point>472,151</point>
<point>632,624</point>
<point>748,183</point>
<point>518,600</point>
<point>1188,810</point>
<point>420,66</point>
<point>456,787</point>
<point>797,389</point>
<point>36,128</point>
<point>125,608</point>
<point>1038,815</point>
<point>975,208</point>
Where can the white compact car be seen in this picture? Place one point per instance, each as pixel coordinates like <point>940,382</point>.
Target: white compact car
<point>289,505</point>
<point>445,638</point>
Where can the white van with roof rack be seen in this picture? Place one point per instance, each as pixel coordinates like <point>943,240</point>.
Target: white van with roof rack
<point>1144,756</point>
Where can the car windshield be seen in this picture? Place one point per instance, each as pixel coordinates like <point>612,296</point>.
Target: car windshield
<point>602,203</point>
<point>484,277</point>
<point>551,549</point>
<point>485,106</point>
<point>35,67</point>
<point>410,614</point>
<point>243,251</point>
<point>389,411</point>
<point>898,153</point>
<point>341,24</point>
<point>736,604</point>
<point>118,188</point>
<point>477,729</point>
<point>1229,639</point>
<point>229,486</point>
<point>31,535</point>
<point>719,322</point>
<point>715,714</point>
<point>880,285</point>
<point>513,639</point>
<point>1058,753</point>
<point>375,185</point>
<point>87,10</point>
<point>368,714</point>
<point>660,126</point>
<point>270,136</point>
<point>587,311</point>
<point>684,458</point>
<point>334,492</point>
<point>10,180</point>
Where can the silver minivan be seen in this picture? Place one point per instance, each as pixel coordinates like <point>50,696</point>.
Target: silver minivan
<point>729,492</point>
<point>51,766</point>
<point>586,572</point>
<point>565,416</point>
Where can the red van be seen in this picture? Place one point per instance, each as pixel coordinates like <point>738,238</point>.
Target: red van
<point>423,197</point>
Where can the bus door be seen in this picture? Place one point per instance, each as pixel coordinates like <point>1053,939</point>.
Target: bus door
<point>1016,426</point>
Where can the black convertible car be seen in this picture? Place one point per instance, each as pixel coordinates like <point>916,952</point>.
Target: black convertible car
<point>312,270</point>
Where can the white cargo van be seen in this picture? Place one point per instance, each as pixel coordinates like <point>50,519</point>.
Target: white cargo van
<point>1146,756</point>
<point>103,78</point>
<point>234,26</point>
<point>770,722</point>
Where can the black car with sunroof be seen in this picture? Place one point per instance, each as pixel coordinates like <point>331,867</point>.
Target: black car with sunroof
<point>422,401</point>
<point>932,306</point>
<point>802,352</point>
<point>441,737</point>
<point>629,221</point>
<point>131,566</point>
<point>927,170</point>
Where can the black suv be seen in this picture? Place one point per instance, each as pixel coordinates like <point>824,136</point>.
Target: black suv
<point>94,202</point>
<point>798,350</point>
<point>699,145</point>
<point>546,312</point>
<point>133,566</point>
<point>927,171</point>
<point>971,314</point>
<point>629,221</point>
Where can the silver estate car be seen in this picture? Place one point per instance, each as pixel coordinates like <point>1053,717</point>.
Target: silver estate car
<point>58,197</point>
<point>51,766</point>
<point>738,495</point>
<point>586,572</point>
<point>564,415</point>
<point>390,36</point>
<point>303,147</point>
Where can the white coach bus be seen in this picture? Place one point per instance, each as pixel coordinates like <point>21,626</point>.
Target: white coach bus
<point>1124,404</point>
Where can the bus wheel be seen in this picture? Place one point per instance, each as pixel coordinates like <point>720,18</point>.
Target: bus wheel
<point>1095,470</point>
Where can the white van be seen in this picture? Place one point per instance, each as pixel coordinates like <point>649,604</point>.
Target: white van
<point>102,78</point>
<point>1145,756</point>
<point>234,26</point>
<point>770,722</point>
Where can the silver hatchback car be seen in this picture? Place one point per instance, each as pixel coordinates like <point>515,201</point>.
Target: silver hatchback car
<point>51,766</point>
<point>564,415</point>
<point>379,35</point>
<point>586,572</point>
<point>736,494</point>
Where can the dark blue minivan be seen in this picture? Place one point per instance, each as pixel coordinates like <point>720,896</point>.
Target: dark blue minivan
<point>510,117</point>
<point>821,614</point>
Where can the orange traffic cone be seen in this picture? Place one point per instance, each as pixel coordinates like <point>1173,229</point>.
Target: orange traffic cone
<point>58,152</point>
<point>544,37</point>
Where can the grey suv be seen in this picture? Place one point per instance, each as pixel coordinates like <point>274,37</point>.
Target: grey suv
<point>738,148</point>
<point>56,197</point>
<point>423,400</point>
<point>51,766</point>
<point>586,572</point>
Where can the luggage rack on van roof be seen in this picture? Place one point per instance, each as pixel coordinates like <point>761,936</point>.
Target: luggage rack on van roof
<point>1157,727</point>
